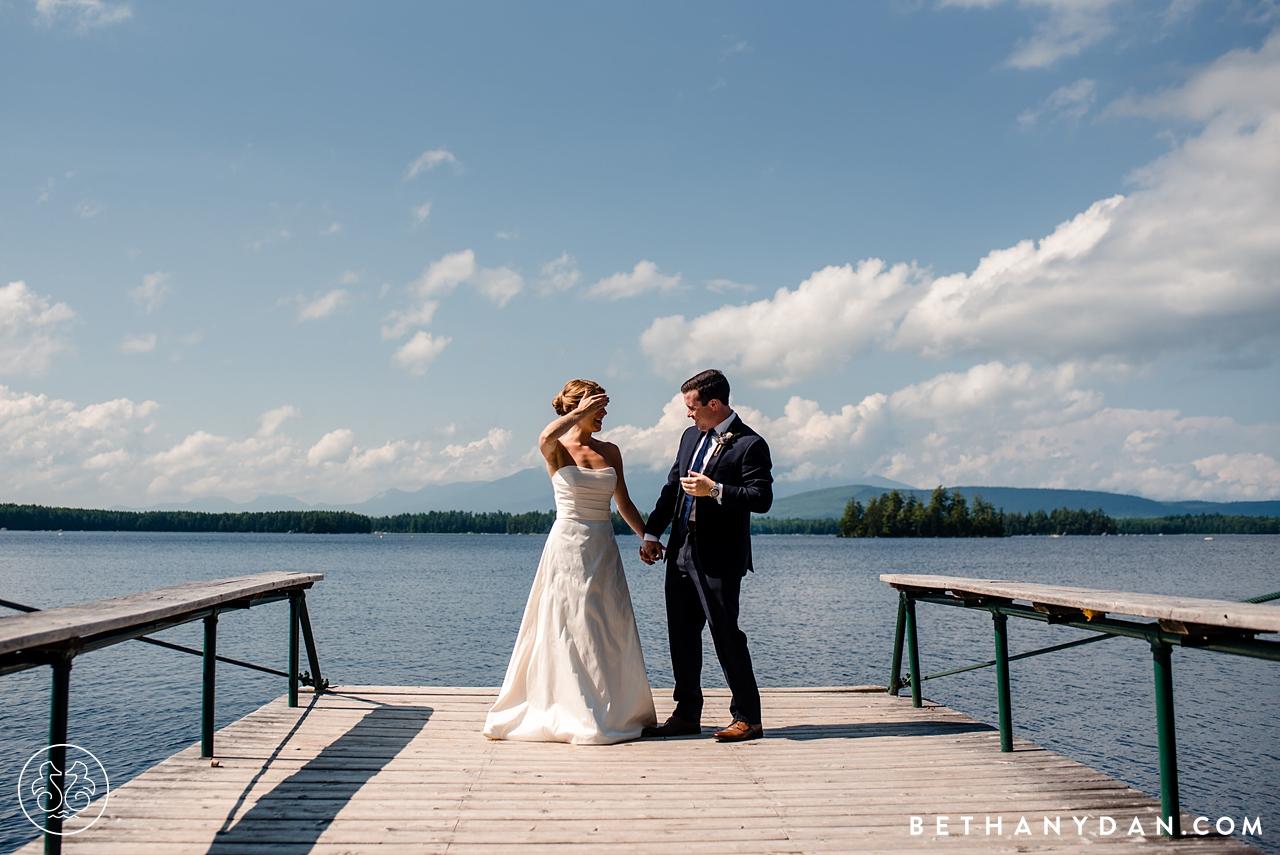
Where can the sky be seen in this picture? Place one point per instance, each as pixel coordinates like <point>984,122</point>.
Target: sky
<point>324,249</point>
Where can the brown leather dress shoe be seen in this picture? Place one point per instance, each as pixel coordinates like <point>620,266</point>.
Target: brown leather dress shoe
<point>740,731</point>
<point>674,726</point>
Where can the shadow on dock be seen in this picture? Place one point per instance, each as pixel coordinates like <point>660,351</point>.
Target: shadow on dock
<point>375,740</point>
<point>808,732</point>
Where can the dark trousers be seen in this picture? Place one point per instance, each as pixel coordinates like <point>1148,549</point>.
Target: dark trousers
<point>695,599</point>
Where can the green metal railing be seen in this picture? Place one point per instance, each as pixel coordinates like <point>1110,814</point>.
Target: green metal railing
<point>1162,643</point>
<point>60,659</point>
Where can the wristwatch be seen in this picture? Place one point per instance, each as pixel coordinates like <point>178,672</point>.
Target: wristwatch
<point>716,491</point>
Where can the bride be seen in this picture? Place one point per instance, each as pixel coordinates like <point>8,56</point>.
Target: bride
<point>577,673</point>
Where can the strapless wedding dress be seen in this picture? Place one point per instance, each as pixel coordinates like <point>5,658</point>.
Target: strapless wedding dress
<point>577,673</point>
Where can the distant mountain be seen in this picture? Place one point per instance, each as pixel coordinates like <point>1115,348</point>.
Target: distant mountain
<point>830,503</point>
<point>530,490</point>
<point>527,490</point>
<point>218,505</point>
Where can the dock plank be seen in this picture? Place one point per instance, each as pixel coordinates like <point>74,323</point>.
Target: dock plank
<point>404,769</point>
<point>53,626</point>
<point>1250,617</point>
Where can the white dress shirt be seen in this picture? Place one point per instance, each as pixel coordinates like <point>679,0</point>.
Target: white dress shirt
<point>706,461</point>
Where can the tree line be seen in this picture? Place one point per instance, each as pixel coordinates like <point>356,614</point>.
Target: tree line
<point>949,515</point>
<point>888,515</point>
<point>1201,524</point>
<point>41,518</point>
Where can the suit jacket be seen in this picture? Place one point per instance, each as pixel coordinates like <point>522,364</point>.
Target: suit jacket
<point>722,537</point>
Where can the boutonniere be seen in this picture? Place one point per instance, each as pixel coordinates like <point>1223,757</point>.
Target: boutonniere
<point>723,441</point>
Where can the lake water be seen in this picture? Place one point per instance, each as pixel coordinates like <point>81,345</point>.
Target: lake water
<point>442,610</point>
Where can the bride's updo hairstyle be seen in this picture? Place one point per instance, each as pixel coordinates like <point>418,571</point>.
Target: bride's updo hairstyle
<point>573,393</point>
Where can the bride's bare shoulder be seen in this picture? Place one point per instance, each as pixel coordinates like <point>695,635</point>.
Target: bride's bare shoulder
<point>609,452</point>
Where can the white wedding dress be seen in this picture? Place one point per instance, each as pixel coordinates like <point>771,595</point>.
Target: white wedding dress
<point>577,673</point>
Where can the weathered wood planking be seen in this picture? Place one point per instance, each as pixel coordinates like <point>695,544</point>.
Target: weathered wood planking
<point>52,626</point>
<point>405,770</point>
<point>1257,617</point>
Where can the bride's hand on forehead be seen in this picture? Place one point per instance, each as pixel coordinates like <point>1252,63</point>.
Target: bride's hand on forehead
<point>591,404</point>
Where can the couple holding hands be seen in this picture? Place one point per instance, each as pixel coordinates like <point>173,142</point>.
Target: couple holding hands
<point>577,672</point>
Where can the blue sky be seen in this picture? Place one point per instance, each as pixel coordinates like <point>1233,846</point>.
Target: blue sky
<point>325,249</point>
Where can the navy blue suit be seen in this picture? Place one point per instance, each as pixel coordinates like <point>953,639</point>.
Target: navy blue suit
<point>706,563</point>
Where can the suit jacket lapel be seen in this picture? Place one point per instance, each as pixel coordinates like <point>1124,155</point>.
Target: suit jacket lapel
<point>686,455</point>
<point>713,462</point>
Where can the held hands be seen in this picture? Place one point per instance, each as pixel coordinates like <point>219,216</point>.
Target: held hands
<point>651,551</point>
<point>697,484</point>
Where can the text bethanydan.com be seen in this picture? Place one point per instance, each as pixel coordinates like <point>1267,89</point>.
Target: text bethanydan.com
<point>1103,826</point>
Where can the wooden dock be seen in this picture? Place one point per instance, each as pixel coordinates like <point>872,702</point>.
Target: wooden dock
<point>406,770</point>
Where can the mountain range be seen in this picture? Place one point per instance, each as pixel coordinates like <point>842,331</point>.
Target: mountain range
<point>830,503</point>
<point>530,490</point>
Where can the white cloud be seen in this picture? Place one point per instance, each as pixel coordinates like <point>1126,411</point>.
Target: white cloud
<point>324,305</point>
<point>1189,262</point>
<point>88,208</point>
<point>723,286</point>
<point>270,421</point>
<point>1069,103</point>
<point>86,13</point>
<point>652,447</point>
<point>834,314</point>
<point>420,213</point>
<point>429,160</point>
<point>151,293</point>
<point>332,229</point>
<point>441,277</point>
<point>1067,28</point>
<point>417,354</point>
<point>997,424</point>
<point>54,452</point>
<point>513,234</point>
<point>1249,475</point>
<point>641,280</point>
<point>138,343</point>
<point>498,285</point>
<point>32,330</point>
<point>559,274</point>
<point>1236,90</point>
<point>335,468</point>
<point>403,320</point>
<point>332,445</point>
<point>349,277</point>
<point>270,238</point>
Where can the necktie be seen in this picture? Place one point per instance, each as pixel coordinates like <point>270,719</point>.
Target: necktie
<point>708,439</point>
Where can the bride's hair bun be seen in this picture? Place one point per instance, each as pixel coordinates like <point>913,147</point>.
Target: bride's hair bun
<point>573,393</point>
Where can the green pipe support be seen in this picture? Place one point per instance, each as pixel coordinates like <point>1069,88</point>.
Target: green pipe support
<point>895,678</point>
<point>59,706</point>
<point>1165,738</point>
<point>294,600</point>
<point>1002,680</point>
<point>312,656</point>
<point>913,652</point>
<point>209,685</point>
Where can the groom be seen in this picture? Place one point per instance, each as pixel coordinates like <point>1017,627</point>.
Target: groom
<point>721,475</point>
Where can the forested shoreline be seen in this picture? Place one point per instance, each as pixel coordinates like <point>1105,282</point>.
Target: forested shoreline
<point>946,514</point>
<point>888,515</point>
<point>41,518</point>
